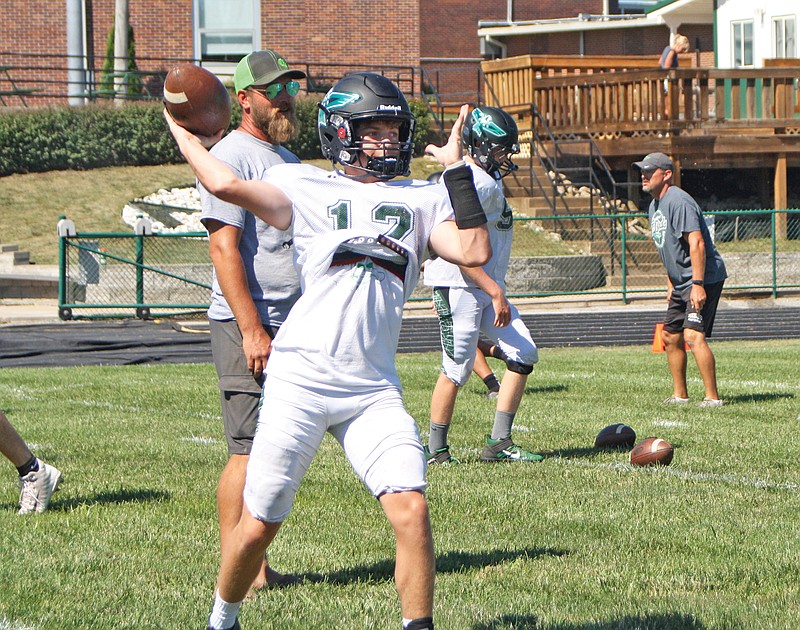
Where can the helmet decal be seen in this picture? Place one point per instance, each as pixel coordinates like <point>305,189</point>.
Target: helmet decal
<point>336,100</point>
<point>483,122</point>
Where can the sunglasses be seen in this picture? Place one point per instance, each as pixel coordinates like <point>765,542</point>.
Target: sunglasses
<point>273,89</point>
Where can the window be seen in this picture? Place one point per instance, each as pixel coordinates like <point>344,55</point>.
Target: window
<point>784,39</point>
<point>226,30</point>
<point>742,43</point>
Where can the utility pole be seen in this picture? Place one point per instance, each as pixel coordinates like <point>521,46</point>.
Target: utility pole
<point>120,48</point>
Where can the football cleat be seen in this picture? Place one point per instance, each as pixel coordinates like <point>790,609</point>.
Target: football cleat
<point>235,626</point>
<point>440,456</point>
<point>37,487</point>
<point>506,451</point>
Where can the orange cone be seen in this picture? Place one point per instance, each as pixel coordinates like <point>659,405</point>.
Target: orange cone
<point>658,342</point>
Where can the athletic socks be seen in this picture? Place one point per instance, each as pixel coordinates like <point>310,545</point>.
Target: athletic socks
<point>438,437</point>
<point>224,614</point>
<point>492,384</point>
<point>502,424</point>
<point>31,465</point>
<point>422,623</point>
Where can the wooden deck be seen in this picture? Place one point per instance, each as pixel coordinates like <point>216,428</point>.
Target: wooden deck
<point>702,117</point>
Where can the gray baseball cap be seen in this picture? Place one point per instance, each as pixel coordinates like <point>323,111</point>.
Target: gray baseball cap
<point>263,67</point>
<point>653,161</point>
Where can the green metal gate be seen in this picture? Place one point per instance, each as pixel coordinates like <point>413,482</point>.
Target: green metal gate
<point>140,274</point>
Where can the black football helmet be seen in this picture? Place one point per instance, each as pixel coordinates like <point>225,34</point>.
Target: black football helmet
<point>356,98</point>
<point>491,137</point>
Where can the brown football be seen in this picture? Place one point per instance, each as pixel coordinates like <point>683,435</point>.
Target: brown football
<point>652,451</point>
<point>615,436</point>
<point>197,100</point>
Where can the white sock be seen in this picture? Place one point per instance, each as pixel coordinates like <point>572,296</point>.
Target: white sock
<point>224,614</point>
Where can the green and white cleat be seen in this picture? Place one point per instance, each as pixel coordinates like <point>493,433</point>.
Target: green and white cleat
<point>440,456</point>
<point>506,451</point>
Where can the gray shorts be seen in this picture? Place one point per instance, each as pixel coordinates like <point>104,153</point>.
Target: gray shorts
<point>681,314</point>
<point>240,391</point>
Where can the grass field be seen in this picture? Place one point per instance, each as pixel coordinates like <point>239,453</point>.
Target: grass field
<point>580,541</point>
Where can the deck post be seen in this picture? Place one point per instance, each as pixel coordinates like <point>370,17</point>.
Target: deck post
<point>781,199</point>
<point>676,172</point>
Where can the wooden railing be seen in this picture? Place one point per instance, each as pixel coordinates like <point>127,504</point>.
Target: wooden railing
<point>648,99</point>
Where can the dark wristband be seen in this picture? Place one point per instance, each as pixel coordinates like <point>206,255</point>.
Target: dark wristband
<point>464,198</point>
<point>699,282</point>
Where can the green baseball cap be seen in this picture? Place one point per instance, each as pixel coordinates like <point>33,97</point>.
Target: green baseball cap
<point>263,67</point>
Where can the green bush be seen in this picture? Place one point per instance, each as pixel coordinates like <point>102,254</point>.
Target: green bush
<point>135,134</point>
<point>132,80</point>
<point>80,138</point>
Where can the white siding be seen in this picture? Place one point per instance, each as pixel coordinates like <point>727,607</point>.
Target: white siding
<point>761,13</point>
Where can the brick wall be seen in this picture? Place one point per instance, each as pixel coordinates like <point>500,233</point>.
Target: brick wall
<point>40,31</point>
<point>152,37</point>
<point>450,26</point>
<point>320,32</point>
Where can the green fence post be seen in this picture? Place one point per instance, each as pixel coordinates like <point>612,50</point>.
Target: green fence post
<point>624,258</point>
<point>774,254</point>
<point>64,228</point>
<point>142,228</point>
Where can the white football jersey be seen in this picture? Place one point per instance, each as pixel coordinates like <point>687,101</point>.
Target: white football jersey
<point>343,332</point>
<point>440,273</point>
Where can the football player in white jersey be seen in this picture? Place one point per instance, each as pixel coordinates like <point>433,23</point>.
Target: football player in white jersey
<point>359,239</point>
<point>470,301</point>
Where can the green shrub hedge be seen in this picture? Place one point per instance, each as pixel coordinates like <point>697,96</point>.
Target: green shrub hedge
<point>98,135</point>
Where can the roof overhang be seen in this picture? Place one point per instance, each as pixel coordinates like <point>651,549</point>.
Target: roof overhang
<point>570,25</point>
<point>688,11</point>
<point>665,13</point>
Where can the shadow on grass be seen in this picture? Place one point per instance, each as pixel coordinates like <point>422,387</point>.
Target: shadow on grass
<point>450,562</point>
<point>546,389</point>
<point>751,398</point>
<point>584,451</point>
<point>106,498</point>
<point>665,621</point>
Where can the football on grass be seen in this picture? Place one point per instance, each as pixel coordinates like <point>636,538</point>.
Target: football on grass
<point>197,100</point>
<point>652,451</point>
<point>615,436</point>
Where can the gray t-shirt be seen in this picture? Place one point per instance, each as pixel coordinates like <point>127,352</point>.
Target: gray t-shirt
<point>671,216</point>
<point>266,251</point>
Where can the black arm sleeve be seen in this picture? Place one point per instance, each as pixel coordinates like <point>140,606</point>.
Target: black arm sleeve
<point>464,197</point>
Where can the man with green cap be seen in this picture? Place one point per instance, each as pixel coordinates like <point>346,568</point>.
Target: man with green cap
<point>255,283</point>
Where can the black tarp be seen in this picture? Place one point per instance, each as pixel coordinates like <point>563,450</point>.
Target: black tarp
<point>130,342</point>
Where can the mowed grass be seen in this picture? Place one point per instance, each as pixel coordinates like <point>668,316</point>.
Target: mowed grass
<point>580,541</point>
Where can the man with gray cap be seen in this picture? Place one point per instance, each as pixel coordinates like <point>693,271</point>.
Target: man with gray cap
<point>255,283</point>
<point>695,275</point>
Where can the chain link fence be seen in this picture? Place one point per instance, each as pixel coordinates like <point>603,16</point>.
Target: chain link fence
<point>144,275</point>
<point>613,254</point>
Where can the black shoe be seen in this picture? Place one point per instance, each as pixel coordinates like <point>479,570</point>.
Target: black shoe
<point>235,626</point>
<point>439,456</point>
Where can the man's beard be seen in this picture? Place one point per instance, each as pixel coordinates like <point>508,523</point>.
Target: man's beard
<point>279,126</point>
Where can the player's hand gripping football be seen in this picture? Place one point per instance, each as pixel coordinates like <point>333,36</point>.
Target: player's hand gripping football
<point>183,135</point>
<point>451,152</point>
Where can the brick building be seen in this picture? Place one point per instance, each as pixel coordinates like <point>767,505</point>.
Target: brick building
<point>441,36</point>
